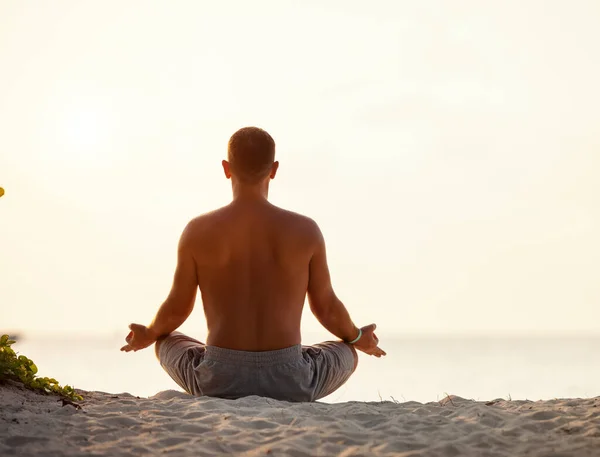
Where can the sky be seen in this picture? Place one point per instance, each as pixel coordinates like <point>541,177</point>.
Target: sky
<point>449,150</point>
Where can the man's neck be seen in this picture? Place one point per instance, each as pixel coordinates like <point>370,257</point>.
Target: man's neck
<point>250,192</point>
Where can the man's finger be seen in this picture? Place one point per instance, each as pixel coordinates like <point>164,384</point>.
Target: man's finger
<point>377,352</point>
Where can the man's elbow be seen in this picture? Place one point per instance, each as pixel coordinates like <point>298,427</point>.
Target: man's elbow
<point>179,307</point>
<point>185,309</point>
<point>322,308</point>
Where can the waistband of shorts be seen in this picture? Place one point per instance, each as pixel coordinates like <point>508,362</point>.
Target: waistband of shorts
<point>262,358</point>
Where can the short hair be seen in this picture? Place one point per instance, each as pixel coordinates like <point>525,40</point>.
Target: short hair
<point>251,153</point>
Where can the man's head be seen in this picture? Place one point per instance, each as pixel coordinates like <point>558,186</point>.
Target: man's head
<point>250,156</point>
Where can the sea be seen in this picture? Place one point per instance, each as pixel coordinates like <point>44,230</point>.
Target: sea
<point>417,368</point>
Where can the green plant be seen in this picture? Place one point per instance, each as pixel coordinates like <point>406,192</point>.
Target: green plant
<point>23,369</point>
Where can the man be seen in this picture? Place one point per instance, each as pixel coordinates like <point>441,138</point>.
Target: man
<point>254,264</point>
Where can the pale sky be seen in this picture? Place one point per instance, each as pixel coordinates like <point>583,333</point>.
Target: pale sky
<point>450,151</point>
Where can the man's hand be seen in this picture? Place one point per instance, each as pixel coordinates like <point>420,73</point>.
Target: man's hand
<point>369,342</point>
<point>140,337</point>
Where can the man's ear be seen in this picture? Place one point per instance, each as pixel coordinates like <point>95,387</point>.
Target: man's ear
<point>274,169</point>
<point>226,169</point>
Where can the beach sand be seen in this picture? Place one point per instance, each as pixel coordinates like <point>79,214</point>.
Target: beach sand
<point>174,423</point>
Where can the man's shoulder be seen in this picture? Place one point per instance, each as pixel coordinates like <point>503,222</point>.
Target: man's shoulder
<point>203,221</point>
<point>291,220</point>
<point>206,217</point>
<point>300,221</point>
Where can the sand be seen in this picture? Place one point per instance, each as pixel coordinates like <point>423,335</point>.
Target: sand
<point>174,423</point>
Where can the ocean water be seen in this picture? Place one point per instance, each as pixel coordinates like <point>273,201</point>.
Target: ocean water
<point>416,369</point>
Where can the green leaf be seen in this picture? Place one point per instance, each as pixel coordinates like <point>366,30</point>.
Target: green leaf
<point>14,366</point>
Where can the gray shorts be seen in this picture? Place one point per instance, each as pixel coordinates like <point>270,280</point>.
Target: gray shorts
<point>296,373</point>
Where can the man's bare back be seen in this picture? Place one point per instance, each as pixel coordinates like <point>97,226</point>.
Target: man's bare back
<point>254,264</point>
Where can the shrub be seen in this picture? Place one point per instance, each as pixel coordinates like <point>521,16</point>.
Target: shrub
<point>23,369</point>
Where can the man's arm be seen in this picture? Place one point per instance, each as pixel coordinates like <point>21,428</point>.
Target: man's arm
<point>180,302</point>
<point>327,308</point>
<point>178,305</point>
<point>330,311</point>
